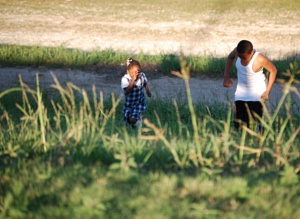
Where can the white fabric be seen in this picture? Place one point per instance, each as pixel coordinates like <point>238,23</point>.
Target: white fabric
<point>251,85</point>
<point>126,79</point>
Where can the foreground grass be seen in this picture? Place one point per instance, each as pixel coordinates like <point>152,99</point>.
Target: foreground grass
<point>39,189</point>
<point>73,157</point>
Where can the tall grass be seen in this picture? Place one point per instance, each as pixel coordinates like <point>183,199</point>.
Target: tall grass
<point>84,124</point>
<point>78,143</point>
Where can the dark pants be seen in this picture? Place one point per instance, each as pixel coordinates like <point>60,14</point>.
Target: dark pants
<point>245,112</point>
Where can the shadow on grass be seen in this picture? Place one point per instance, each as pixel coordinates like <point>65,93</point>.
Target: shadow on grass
<point>60,57</point>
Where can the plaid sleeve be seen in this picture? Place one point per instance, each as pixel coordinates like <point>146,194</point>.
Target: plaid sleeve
<point>144,78</point>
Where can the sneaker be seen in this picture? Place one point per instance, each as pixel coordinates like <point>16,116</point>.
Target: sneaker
<point>137,124</point>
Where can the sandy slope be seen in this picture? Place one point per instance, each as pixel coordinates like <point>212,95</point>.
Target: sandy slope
<point>96,27</point>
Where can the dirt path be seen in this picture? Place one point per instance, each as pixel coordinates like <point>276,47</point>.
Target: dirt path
<point>203,90</point>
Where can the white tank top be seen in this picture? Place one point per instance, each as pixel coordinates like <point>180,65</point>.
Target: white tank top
<point>251,85</point>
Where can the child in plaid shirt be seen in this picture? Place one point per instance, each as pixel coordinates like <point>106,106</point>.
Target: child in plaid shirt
<point>133,84</point>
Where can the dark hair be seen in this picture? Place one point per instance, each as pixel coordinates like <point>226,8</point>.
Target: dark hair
<point>244,46</point>
<point>131,62</point>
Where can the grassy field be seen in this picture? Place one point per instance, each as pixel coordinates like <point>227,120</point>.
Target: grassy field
<point>71,156</point>
<point>140,9</point>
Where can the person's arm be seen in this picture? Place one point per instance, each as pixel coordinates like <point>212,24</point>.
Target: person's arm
<point>231,57</point>
<point>148,90</point>
<point>269,66</point>
<point>128,89</point>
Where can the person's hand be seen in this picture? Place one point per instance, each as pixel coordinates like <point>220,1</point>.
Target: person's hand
<point>265,96</point>
<point>134,75</point>
<point>149,94</point>
<point>227,82</point>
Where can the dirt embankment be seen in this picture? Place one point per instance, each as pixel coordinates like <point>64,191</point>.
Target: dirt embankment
<point>201,34</point>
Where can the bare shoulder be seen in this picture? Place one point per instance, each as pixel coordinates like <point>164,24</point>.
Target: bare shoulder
<point>262,59</point>
<point>233,54</point>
